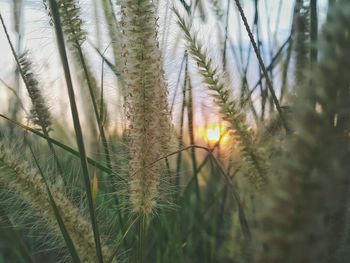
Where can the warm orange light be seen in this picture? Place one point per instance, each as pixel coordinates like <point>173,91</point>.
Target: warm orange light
<point>94,187</point>
<point>214,133</point>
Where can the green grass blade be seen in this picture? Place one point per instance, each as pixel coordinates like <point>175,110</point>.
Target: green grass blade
<point>262,65</point>
<point>63,229</point>
<point>110,260</point>
<point>61,145</point>
<point>109,63</point>
<point>76,122</point>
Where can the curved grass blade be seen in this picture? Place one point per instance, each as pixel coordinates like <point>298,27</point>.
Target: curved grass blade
<point>110,260</point>
<point>108,62</point>
<point>61,145</point>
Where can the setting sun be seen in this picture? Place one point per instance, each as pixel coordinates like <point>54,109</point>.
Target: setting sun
<point>213,135</point>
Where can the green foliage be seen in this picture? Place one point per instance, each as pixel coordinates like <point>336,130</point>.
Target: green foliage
<point>308,205</point>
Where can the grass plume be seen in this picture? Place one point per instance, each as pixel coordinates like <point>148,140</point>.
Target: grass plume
<point>24,180</point>
<point>229,108</point>
<point>149,124</point>
<point>39,114</point>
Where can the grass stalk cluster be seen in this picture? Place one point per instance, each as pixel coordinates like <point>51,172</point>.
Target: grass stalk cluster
<point>29,185</point>
<point>308,206</point>
<point>126,195</point>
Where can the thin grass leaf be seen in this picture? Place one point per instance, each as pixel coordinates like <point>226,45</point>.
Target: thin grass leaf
<point>262,65</point>
<point>61,145</point>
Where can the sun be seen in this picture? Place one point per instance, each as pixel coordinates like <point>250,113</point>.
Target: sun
<point>213,134</point>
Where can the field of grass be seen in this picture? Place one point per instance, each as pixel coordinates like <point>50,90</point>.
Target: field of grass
<point>175,131</point>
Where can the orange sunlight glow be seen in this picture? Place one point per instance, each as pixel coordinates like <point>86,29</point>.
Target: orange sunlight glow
<point>214,133</point>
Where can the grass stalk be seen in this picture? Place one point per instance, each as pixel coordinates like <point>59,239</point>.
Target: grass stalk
<point>182,114</point>
<point>61,145</point>
<point>41,111</point>
<point>191,135</point>
<point>141,239</point>
<point>262,65</point>
<point>76,122</point>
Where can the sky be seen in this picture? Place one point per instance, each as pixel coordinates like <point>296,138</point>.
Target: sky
<point>39,39</point>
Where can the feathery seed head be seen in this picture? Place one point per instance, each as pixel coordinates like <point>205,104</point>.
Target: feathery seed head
<point>40,114</point>
<point>19,177</point>
<point>146,102</point>
<point>228,107</point>
<point>71,21</point>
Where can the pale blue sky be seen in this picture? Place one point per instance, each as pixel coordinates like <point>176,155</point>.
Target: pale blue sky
<point>39,39</point>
